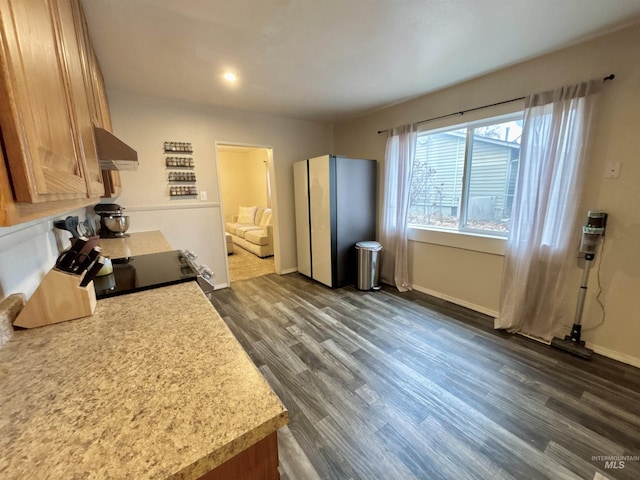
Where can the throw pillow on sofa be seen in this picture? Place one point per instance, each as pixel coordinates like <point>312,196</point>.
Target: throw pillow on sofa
<point>260,212</point>
<point>266,219</point>
<point>246,215</point>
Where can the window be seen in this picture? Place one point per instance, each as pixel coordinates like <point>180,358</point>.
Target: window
<point>464,177</point>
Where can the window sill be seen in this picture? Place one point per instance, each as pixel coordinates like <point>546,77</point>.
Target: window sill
<point>455,239</point>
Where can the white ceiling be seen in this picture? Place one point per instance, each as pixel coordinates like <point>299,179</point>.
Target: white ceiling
<point>329,59</point>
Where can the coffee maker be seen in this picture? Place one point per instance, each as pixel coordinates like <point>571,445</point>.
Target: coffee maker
<point>113,222</point>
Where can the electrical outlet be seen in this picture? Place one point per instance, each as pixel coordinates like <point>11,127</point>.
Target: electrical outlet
<point>203,195</point>
<point>612,170</point>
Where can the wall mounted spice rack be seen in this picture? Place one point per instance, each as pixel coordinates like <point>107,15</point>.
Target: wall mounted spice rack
<point>183,190</point>
<point>180,147</point>
<point>180,176</point>
<point>179,162</point>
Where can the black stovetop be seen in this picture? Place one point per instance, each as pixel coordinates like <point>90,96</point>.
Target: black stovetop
<point>144,272</point>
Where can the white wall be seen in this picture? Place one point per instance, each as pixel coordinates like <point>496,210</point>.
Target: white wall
<point>146,123</point>
<point>472,277</point>
<point>243,179</point>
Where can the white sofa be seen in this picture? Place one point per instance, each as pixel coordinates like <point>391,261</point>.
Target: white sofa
<point>252,229</point>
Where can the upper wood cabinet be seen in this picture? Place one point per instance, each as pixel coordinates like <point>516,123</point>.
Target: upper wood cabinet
<point>52,96</point>
<point>112,183</point>
<point>95,89</point>
<point>76,49</point>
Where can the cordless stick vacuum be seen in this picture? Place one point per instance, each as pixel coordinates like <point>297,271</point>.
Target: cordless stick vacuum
<point>592,232</point>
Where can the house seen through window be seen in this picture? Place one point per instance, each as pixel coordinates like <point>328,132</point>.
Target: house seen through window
<point>464,177</point>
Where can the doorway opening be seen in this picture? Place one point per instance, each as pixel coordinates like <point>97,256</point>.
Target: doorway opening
<point>245,174</point>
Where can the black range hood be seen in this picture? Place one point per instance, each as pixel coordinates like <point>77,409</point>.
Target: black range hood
<point>113,153</point>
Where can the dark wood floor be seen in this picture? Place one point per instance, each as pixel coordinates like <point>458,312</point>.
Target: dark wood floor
<point>382,385</point>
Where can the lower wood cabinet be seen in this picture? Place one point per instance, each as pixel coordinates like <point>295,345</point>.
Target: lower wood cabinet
<point>258,462</point>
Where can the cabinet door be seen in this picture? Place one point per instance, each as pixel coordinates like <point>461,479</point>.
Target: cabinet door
<point>97,95</point>
<point>94,82</point>
<point>320,204</point>
<point>38,123</point>
<point>101,95</point>
<point>301,202</point>
<point>112,182</point>
<point>81,89</point>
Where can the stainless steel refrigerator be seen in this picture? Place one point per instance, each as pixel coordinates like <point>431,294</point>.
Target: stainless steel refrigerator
<point>335,204</point>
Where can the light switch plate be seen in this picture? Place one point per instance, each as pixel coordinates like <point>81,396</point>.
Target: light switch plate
<point>203,195</point>
<point>612,170</point>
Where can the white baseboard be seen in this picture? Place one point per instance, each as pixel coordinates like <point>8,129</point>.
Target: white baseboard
<point>457,301</point>
<point>620,357</point>
<point>533,337</point>
<point>605,352</point>
<point>289,270</point>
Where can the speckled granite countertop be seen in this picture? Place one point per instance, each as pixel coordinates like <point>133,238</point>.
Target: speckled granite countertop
<point>135,244</point>
<point>153,385</point>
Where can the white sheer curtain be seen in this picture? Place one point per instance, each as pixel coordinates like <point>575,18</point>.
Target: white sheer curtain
<point>545,221</point>
<point>398,161</point>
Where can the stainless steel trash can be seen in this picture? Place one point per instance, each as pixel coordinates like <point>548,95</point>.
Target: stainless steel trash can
<point>368,269</point>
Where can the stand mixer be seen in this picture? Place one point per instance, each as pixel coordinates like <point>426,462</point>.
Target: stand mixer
<point>113,224</point>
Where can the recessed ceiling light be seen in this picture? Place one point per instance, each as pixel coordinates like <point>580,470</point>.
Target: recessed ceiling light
<point>230,76</point>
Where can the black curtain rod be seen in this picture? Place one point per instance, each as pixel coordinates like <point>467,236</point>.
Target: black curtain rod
<point>462,112</point>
